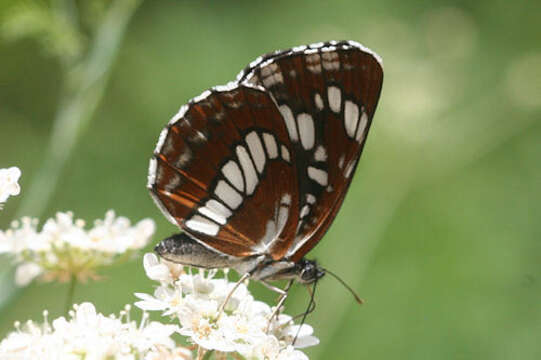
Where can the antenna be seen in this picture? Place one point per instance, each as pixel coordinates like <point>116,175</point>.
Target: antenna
<point>357,298</point>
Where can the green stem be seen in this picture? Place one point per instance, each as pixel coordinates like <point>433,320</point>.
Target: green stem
<point>85,84</point>
<point>207,354</point>
<point>71,292</point>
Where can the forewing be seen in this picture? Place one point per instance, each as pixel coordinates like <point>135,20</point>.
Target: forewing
<point>222,170</point>
<point>327,94</point>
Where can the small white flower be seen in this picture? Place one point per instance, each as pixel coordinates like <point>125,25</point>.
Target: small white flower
<point>267,349</point>
<point>26,272</point>
<point>156,270</point>
<point>163,300</point>
<point>9,185</point>
<point>289,353</point>
<point>91,335</point>
<point>287,331</point>
<point>63,248</point>
<point>195,300</point>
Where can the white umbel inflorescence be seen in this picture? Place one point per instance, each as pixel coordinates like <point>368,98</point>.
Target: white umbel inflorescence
<point>195,301</point>
<point>64,249</point>
<point>9,185</point>
<point>91,335</point>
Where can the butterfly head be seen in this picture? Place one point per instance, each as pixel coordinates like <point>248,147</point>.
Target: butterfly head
<point>309,271</point>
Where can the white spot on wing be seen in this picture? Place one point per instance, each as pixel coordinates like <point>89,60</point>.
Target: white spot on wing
<point>318,175</point>
<point>266,63</point>
<point>304,211</point>
<point>161,140</point>
<point>330,59</point>
<point>256,62</point>
<point>283,213</point>
<point>341,161</point>
<point>362,127</point>
<point>285,153</point>
<point>286,199</point>
<point>273,79</point>
<point>212,215</point>
<point>152,165</point>
<point>271,74</point>
<point>313,62</point>
<point>318,101</point>
<point>335,98</point>
<point>275,226</point>
<point>351,117</point>
<point>181,112</point>
<point>310,199</point>
<point>198,137</point>
<point>203,225</point>
<point>203,96</point>
<point>306,130</point>
<point>349,169</point>
<point>217,208</point>
<point>184,158</point>
<point>270,234</point>
<point>290,122</point>
<point>227,87</point>
<point>168,145</point>
<point>256,149</point>
<point>228,195</point>
<point>173,183</point>
<point>282,218</point>
<point>248,167</point>
<point>320,154</point>
<point>233,174</point>
<point>270,144</point>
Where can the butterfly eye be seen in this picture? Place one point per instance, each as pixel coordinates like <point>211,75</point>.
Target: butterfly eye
<point>309,273</point>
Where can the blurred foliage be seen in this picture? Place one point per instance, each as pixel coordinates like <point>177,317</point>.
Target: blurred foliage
<point>60,27</point>
<point>54,32</point>
<point>440,231</point>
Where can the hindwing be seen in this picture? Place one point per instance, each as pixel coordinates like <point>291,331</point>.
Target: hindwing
<point>327,94</point>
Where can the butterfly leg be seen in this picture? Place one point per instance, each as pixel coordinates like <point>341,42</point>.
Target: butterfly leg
<point>241,280</point>
<point>308,311</point>
<point>281,299</point>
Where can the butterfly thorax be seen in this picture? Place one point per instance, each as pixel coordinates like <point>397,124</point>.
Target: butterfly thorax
<point>304,271</point>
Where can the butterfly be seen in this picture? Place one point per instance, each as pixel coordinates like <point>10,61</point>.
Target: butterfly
<point>254,172</point>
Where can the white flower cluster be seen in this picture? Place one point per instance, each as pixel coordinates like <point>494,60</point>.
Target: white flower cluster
<point>243,326</point>
<point>92,336</point>
<point>64,249</point>
<point>9,183</point>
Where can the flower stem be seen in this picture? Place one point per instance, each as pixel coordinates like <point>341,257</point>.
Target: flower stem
<point>69,296</point>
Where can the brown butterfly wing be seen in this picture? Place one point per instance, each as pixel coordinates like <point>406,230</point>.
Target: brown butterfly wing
<point>223,171</point>
<point>327,94</point>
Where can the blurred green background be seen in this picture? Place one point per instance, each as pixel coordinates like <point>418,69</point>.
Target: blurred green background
<point>441,230</point>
